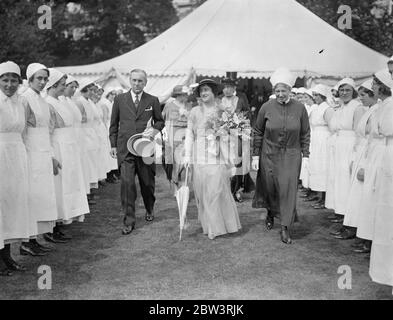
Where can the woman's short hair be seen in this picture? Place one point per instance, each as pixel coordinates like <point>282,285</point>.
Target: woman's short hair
<point>383,89</point>
<point>367,91</point>
<point>84,90</point>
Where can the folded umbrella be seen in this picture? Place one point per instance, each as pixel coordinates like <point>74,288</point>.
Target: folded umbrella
<point>182,197</point>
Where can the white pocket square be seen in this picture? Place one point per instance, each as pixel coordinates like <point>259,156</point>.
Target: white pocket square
<point>149,108</point>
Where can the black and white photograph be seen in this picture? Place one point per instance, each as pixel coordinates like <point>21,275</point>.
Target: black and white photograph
<point>212,151</point>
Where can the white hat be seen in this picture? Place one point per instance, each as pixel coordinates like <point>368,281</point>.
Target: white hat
<point>71,79</point>
<point>322,89</point>
<point>294,90</point>
<point>282,75</point>
<point>367,85</point>
<point>385,77</point>
<point>84,83</point>
<point>54,76</point>
<point>301,90</point>
<point>109,90</point>
<point>348,81</point>
<point>391,59</point>
<point>32,68</point>
<point>140,145</point>
<point>9,67</point>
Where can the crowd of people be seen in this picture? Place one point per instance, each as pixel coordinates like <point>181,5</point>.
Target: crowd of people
<point>55,151</point>
<point>60,139</point>
<point>350,167</point>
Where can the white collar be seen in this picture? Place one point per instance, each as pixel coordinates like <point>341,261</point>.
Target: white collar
<point>133,95</point>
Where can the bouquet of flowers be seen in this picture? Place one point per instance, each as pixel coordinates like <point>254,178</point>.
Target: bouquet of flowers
<point>225,123</point>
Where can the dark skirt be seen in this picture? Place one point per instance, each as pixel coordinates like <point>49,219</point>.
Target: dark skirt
<point>277,184</point>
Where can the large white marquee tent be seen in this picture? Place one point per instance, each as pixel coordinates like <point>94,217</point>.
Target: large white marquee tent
<point>250,37</point>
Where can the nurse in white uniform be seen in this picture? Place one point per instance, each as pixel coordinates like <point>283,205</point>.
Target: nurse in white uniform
<point>13,164</point>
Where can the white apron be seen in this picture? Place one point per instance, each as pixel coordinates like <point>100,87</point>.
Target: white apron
<point>354,204</point>
<point>342,125</point>
<point>381,261</point>
<point>42,196</point>
<point>100,131</point>
<point>69,183</point>
<point>13,171</point>
<point>79,136</point>
<point>318,148</point>
<point>90,146</point>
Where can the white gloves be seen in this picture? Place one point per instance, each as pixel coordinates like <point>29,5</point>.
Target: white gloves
<point>305,163</point>
<point>255,163</point>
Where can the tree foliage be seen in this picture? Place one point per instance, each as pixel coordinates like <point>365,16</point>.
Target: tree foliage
<point>82,32</point>
<point>368,28</point>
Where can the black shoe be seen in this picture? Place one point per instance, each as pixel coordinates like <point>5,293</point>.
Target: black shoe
<point>311,198</point>
<point>346,235</point>
<point>41,246</point>
<point>363,249</point>
<point>269,223</point>
<point>238,197</point>
<point>14,266</point>
<point>332,216</point>
<point>127,230</point>
<point>6,273</point>
<point>285,236</point>
<point>337,232</point>
<point>30,249</point>
<point>91,202</point>
<point>149,217</point>
<point>62,235</point>
<point>51,238</point>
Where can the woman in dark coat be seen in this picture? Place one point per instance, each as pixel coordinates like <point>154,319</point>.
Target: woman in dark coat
<point>281,140</point>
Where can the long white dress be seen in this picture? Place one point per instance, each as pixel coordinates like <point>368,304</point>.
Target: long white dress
<point>354,204</point>
<point>13,171</point>
<point>42,196</point>
<point>373,158</point>
<point>305,169</point>
<point>103,150</point>
<point>217,210</point>
<point>77,124</point>
<point>89,143</point>
<point>69,183</point>
<point>381,261</point>
<point>341,124</point>
<point>319,139</point>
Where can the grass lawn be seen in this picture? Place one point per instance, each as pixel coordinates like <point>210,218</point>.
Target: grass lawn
<point>100,263</point>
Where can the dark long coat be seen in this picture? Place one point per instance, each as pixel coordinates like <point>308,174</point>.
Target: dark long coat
<point>281,139</point>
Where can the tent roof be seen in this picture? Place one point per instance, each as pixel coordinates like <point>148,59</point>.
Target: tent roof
<point>251,37</point>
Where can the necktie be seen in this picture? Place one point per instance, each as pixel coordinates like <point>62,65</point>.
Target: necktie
<point>136,101</point>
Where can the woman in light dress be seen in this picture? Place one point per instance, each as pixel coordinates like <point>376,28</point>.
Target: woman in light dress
<point>355,198</point>
<point>381,260</point>
<point>70,186</point>
<point>41,161</point>
<point>342,123</point>
<point>320,133</point>
<point>175,114</point>
<point>89,142</point>
<point>105,107</point>
<point>13,168</point>
<point>217,210</point>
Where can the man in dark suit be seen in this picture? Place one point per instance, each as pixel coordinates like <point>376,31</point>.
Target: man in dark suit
<point>131,113</point>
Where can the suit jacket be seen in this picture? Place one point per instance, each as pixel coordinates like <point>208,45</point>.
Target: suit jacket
<point>127,121</point>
